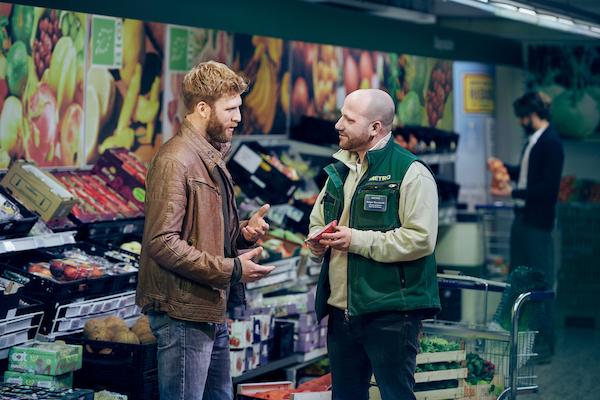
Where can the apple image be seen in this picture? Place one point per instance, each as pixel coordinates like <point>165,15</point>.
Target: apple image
<point>57,268</point>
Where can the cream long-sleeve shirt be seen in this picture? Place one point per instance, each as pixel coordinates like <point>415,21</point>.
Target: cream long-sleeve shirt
<point>418,213</point>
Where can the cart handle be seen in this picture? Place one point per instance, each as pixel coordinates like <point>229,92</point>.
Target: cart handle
<point>523,298</point>
<point>545,295</point>
<point>448,281</point>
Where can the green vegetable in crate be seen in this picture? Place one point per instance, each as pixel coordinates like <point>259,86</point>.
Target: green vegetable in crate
<point>436,344</point>
<point>480,370</point>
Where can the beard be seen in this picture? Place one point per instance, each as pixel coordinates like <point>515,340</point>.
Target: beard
<point>215,131</point>
<point>528,129</point>
<point>354,143</point>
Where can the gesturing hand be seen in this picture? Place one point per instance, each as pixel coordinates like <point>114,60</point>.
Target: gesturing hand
<point>257,226</point>
<point>252,271</point>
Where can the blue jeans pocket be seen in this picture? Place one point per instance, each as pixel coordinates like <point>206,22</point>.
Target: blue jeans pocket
<point>160,325</point>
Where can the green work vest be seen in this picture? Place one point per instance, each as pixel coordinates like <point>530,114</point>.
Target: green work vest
<point>376,286</point>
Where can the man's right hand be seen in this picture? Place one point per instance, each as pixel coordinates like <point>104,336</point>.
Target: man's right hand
<point>252,271</point>
<point>317,248</point>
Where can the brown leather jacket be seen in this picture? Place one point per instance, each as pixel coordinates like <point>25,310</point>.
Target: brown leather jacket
<point>183,271</point>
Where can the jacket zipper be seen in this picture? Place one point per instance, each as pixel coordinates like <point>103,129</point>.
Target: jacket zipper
<point>351,220</point>
<point>402,278</point>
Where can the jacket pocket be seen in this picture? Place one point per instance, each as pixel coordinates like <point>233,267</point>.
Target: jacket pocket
<point>376,207</point>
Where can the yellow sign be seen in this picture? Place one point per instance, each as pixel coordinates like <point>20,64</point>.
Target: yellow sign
<point>479,93</point>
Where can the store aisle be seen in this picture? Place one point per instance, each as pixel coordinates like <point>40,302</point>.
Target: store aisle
<point>573,373</point>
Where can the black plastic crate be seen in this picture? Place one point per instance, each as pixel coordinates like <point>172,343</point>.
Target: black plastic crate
<point>257,177</point>
<point>283,340</point>
<point>29,306</point>
<point>53,291</point>
<point>16,228</point>
<point>9,302</point>
<point>129,369</point>
<point>114,242</point>
<point>22,392</point>
<point>142,357</point>
<point>115,229</point>
<point>125,381</point>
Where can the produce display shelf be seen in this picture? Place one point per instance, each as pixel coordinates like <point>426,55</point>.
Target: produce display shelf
<point>18,330</point>
<point>71,318</point>
<point>294,359</point>
<point>36,242</point>
<point>285,271</point>
<point>288,284</point>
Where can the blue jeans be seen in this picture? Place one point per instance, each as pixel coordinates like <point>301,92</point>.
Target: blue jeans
<point>384,344</point>
<point>193,359</point>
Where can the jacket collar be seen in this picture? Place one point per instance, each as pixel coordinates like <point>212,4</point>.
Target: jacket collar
<point>205,150</point>
<point>373,156</point>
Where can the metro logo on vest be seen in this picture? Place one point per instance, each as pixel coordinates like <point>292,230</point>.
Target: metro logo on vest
<point>380,178</point>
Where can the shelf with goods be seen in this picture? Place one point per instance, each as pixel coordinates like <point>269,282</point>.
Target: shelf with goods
<point>37,242</point>
<point>293,360</point>
<point>18,329</point>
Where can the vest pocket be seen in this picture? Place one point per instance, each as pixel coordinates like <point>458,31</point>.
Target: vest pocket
<point>377,282</point>
<point>376,207</point>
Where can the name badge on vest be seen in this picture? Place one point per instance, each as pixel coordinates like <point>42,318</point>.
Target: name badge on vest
<point>375,202</point>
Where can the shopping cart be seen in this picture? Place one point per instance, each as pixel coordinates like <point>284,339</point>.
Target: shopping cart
<point>510,351</point>
<point>496,220</point>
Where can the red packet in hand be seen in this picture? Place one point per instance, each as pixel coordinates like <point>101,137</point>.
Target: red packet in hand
<point>318,235</point>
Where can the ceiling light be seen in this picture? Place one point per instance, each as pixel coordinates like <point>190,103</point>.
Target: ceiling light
<point>508,7</point>
<point>566,21</point>
<point>547,17</point>
<point>525,13</point>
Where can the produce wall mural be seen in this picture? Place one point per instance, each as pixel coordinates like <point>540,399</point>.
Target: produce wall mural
<point>264,61</point>
<point>73,85</point>
<point>187,47</point>
<point>123,96</point>
<point>323,75</point>
<point>570,76</point>
<point>42,59</point>
<point>422,89</point>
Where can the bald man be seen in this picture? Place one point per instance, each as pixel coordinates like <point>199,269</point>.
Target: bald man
<point>378,279</point>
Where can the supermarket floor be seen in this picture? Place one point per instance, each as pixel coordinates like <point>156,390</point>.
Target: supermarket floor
<point>574,370</point>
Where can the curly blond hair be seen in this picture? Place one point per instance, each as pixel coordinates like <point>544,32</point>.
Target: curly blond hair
<point>208,82</point>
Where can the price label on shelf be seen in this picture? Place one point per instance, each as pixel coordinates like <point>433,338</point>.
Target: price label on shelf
<point>8,246</point>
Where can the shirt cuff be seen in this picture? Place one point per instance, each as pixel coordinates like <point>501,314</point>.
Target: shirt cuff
<point>359,243</point>
<point>236,274</point>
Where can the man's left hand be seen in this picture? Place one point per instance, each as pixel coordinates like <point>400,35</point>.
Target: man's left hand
<point>257,227</point>
<point>339,240</point>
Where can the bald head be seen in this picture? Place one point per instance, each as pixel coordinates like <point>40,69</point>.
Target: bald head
<point>375,105</point>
